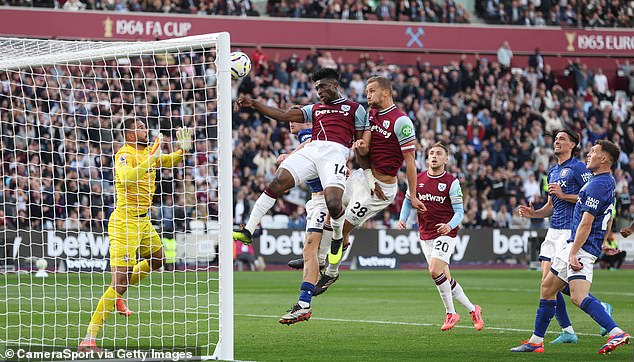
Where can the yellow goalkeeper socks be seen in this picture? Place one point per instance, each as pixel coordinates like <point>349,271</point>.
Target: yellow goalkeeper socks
<point>140,271</point>
<point>104,308</point>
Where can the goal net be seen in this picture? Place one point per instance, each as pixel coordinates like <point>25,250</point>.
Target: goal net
<point>62,108</point>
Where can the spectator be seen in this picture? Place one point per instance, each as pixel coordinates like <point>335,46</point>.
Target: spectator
<point>611,257</point>
<point>505,55</point>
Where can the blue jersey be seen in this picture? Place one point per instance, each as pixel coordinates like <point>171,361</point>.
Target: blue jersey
<point>305,135</point>
<point>597,198</point>
<point>571,176</point>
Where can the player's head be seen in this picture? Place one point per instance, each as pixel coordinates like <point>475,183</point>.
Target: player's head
<point>327,84</point>
<point>437,156</point>
<point>379,92</point>
<point>134,132</point>
<point>603,155</point>
<point>565,143</point>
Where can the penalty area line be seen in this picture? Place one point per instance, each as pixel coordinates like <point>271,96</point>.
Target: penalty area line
<point>502,329</point>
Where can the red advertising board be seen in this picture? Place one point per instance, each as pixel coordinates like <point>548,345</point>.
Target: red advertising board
<point>371,35</point>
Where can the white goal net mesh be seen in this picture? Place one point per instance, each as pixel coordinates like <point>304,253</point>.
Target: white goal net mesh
<point>62,108</point>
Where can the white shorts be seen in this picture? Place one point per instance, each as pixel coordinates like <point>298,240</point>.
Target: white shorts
<point>316,214</point>
<point>555,240</point>
<point>440,248</point>
<point>561,267</point>
<point>363,205</point>
<point>323,159</point>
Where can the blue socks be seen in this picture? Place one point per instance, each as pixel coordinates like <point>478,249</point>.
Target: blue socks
<point>560,313</point>
<point>306,294</point>
<point>595,309</point>
<point>545,313</point>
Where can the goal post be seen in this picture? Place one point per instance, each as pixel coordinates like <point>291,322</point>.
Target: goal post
<point>62,105</point>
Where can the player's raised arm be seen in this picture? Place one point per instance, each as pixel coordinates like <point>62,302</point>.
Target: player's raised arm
<point>289,115</point>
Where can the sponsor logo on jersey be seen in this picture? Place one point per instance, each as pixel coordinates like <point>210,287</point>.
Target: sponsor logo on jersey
<point>345,107</point>
<point>592,202</point>
<point>377,128</point>
<point>430,197</point>
<point>329,111</point>
<point>407,131</point>
<point>442,187</point>
<point>386,124</point>
<point>586,176</point>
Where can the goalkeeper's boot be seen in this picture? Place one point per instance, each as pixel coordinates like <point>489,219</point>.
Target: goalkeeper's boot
<point>122,308</point>
<point>324,282</point>
<point>243,235</point>
<point>89,345</point>
<point>608,309</point>
<point>296,314</point>
<point>450,321</point>
<point>615,341</point>
<point>566,337</point>
<point>526,346</point>
<point>476,317</point>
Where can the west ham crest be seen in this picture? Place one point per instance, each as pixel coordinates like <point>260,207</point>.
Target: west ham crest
<point>386,124</point>
<point>345,107</point>
<point>442,187</point>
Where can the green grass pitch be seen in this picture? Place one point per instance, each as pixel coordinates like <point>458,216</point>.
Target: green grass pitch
<point>366,315</point>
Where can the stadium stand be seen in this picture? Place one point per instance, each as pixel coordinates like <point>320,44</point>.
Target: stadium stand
<point>499,123</point>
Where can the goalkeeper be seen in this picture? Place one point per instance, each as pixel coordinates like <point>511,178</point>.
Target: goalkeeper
<point>130,228</point>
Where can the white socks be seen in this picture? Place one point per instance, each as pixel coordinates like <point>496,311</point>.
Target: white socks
<point>535,339</point>
<point>458,293</point>
<point>263,204</point>
<point>337,226</point>
<point>444,288</point>
<point>324,245</point>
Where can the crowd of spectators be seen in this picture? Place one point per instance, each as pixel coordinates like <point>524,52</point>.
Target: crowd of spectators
<point>499,122</point>
<point>567,13</point>
<point>60,132</point>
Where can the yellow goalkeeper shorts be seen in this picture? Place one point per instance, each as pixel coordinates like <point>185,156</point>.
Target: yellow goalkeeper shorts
<point>129,233</point>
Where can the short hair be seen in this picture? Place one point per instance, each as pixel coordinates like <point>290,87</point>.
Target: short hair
<point>438,144</point>
<point>574,137</point>
<point>383,82</point>
<point>325,73</point>
<point>128,125</point>
<point>612,149</point>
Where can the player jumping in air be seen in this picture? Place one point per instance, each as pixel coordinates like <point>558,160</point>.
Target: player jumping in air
<point>316,230</point>
<point>392,141</point>
<point>565,179</point>
<point>337,122</point>
<point>573,265</point>
<point>129,227</point>
<point>442,195</point>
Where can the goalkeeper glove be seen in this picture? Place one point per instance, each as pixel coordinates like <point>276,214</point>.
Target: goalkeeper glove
<point>184,137</point>
<point>155,150</point>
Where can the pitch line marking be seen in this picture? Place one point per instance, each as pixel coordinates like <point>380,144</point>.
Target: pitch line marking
<point>408,324</point>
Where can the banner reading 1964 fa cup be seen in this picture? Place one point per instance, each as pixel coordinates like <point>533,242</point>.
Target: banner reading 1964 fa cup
<point>474,245</point>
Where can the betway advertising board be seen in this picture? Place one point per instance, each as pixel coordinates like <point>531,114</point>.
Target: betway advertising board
<point>70,251</point>
<point>392,246</point>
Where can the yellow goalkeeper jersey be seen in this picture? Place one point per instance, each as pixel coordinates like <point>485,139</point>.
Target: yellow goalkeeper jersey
<point>135,178</point>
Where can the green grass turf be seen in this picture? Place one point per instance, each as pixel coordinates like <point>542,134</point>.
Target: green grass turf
<point>367,315</point>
